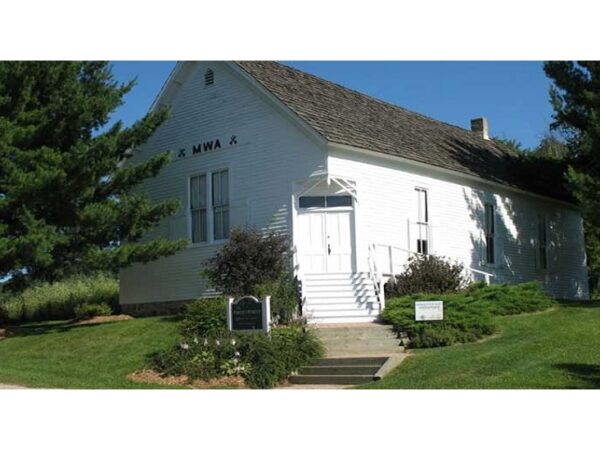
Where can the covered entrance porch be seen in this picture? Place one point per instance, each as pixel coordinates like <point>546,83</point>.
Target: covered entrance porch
<point>325,252</point>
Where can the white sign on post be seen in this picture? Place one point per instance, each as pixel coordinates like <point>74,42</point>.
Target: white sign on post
<point>429,310</point>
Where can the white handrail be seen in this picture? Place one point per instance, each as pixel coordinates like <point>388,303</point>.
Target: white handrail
<point>376,276</point>
<point>390,248</point>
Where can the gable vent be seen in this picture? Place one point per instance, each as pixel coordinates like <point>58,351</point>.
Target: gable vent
<point>209,77</point>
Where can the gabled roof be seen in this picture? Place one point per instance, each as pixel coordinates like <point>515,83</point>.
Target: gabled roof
<point>344,116</point>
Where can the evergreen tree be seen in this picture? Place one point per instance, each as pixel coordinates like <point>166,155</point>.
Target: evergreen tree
<point>512,145</point>
<point>67,198</point>
<point>551,147</point>
<point>575,96</point>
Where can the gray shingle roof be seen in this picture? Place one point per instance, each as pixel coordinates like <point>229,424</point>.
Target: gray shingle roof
<point>348,117</point>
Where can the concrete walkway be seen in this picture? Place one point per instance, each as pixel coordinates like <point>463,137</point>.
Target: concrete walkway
<point>11,386</point>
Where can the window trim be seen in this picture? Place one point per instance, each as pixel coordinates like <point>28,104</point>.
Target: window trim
<point>209,206</point>
<point>191,211</point>
<point>423,224</point>
<point>212,174</point>
<point>493,236</point>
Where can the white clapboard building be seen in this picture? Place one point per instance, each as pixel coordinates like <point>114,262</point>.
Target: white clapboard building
<point>358,184</point>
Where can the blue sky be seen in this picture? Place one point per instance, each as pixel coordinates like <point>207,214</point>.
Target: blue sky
<point>512,95</point>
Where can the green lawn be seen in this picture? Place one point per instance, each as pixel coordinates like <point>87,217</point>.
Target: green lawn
<point>554,349</point>
<point>63,355</point>
<point>559,348</point>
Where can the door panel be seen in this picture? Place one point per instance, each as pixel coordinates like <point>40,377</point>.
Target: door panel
<point>339,240</point>
<point>325,243</point>
<point>312,243</point>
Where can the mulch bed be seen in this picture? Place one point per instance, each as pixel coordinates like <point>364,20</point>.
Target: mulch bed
<point>103,319</point>
<point>152,377</point>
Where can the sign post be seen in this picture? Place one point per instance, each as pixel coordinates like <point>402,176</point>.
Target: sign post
<point>429,310</point>
<point>249,314</point>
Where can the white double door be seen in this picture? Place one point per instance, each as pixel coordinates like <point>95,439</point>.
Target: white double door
<point>326,241</point>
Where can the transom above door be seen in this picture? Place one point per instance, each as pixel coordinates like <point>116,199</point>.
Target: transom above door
<point>325,236</point>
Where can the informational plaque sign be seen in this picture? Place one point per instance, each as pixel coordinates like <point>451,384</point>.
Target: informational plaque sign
<point>248,314</point>
<point>429,310</point>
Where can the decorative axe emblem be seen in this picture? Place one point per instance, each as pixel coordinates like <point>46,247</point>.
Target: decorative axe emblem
<point>181,153</point>
<point>233,140</point>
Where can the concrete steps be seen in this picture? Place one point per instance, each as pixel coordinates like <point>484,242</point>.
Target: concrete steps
<point>355,354</point>
<point>340,371</point>
<point>359,340</point>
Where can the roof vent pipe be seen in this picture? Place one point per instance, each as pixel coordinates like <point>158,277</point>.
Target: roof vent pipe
<point>480,126</point>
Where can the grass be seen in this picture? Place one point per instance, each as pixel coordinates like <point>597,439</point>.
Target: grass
<point>58,301</point>
<point>558,348</point>
<point>64,355</point>
<point>555,349</point>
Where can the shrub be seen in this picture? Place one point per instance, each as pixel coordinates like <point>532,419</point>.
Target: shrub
<point>285,302</point>
<point>89,310</point>
<point>205,317</point>
<point>509,299</point>
<point>427,273</point>
<point>273,358</point>
<point>262,359</point>
<point>57,301</point>
<point>248,259</point>
<point>468,315</point>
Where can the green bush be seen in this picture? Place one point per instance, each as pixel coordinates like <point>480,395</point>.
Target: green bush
<point>89,310</point>
<point>427,273</point>
<point>273,358</point>
<point>468,315</point>
<point>205,317</point>
<point>57,301</point>
<point>262,359</point>
<point>285,303</point>
<point>248,259</point>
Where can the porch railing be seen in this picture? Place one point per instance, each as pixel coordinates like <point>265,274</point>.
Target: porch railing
<point>396,259</point>
<point>376,276</point>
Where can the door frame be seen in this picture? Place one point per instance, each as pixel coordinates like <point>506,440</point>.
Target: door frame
<point>343,209</point>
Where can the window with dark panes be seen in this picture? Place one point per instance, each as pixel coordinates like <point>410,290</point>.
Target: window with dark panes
<point>220,203</point>
<point>422,221</point>
<point>490,233</point>
<point>334,201</point>
<point>198,208</point>
<point>321,201</point>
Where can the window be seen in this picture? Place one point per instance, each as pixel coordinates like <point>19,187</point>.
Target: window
<point>422,221</point>
<point>490,233</point>
<point>209,211</point>
<point>198,208</point>
<point>542,243</point>
<point>209,77</point>
<point>330,201</point>
<point>220,203</point>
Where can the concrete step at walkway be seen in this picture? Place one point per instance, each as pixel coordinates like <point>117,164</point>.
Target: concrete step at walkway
<point>359,340</point>
<point>350,361</point>
<point>355,354</point>
<point>331,379</point>
<point>339,370</point>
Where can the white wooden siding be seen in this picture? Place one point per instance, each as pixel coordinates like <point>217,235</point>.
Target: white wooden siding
<point>387,201</point>
<point>272,152</point>
<point>274,155</point>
